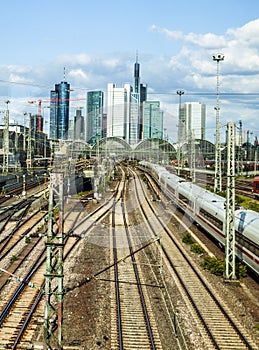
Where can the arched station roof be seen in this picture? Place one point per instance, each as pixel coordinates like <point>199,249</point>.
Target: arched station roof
<point>113,141</point>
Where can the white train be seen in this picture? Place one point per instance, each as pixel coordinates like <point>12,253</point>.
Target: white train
<point>208,210</point>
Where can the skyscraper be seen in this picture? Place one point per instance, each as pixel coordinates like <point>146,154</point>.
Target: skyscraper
<point>140,93</point>
<point>123,113</point>
<point>79,126</point>
<point>136,76</point>
<point>152,120</point>
<point>94,116</point>
<point>134,118</point>
<point>118,110</point>
<point>193,119</point>
<point>53,115</point>
<point>59,111</point>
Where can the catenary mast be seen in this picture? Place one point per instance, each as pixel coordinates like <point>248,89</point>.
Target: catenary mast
<point>218,177</point>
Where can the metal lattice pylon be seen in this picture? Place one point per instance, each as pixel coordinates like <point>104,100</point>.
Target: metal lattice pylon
<point>6,142</point>
<point>218,175</point>
<point>239,169</point>
<point>230,273</point>
<point>54,290</point>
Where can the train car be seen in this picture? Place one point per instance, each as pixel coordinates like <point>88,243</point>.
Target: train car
<point>247,236</point>
<point>256,187</point>
<point>210,214</point>
<point>169,183</point>
<point>208,210</point>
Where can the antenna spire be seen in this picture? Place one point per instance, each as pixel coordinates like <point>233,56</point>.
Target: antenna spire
<point>64,74</point>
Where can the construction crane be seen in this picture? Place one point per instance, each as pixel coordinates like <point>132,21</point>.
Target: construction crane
<point>39,121</point>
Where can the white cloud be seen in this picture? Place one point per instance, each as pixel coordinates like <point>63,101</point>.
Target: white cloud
<point>191,69</point>
<point>172,34</point>
<point>208,40</point>
<point>246,35</point>
<point>79,75</point>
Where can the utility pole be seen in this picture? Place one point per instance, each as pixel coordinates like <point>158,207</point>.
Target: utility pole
<point>240,148</point>
<point>181,130</point>
<point>16,146</point>
<point>218,177</point>
<point>230,206</point>
<point>6,140</point>
<point>24,132</point>
<point>29,149</point>
<point>192,156</point>
<point>54,290</point>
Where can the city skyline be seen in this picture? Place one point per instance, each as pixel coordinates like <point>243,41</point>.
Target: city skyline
<point>175,44</point>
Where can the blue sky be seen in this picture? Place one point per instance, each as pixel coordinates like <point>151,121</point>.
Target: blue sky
<point>97,42</point>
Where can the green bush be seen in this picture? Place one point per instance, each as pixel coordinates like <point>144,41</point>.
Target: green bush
<point>214,265</point>
<point>27,239</point>
<point>187,238</point>
<point>217,267</point>
<point>13,258</point>
<point>143,177</point>
<point>240,270</point>
<point>196,248</point>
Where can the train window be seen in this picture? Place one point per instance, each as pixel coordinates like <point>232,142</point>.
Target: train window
<point>216,222</point>
<point>183,198</point>
<point>246,243</point>
<point>172,190</point>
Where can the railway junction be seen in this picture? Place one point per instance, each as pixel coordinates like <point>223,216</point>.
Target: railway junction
<point>128,277</point>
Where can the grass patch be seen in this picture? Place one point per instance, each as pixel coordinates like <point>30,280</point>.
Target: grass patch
<point>247,203</point>
<point>241,200</point>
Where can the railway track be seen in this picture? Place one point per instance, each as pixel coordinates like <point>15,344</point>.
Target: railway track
<point>243,187</point>
<point>218,326</point>
<point>22,310</point>
<point>132,328</point>
<point>135,327</point>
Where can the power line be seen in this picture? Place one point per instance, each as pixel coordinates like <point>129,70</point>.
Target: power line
<point>202,93</point>
<point>27,84</point>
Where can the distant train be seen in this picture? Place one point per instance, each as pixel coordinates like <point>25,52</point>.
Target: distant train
<point>208,210</point>
<point>256,187</point>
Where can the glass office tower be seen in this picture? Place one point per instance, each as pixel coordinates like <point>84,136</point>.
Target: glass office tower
<point>94,116</point>
<point>152,120</point>
<point>53,117</point>
<point>59,111</point>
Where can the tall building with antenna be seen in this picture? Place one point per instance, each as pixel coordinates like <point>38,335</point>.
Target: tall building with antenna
<point>59,110</point>
<point>125,109</point>
<point>136,75</point>
<point>140,93</point>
